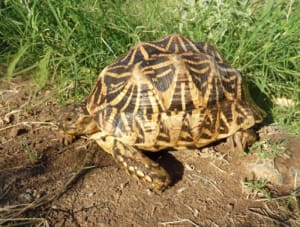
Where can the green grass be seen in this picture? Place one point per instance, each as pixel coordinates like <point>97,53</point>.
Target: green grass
<point>33,155</point>
<point>269,150</point>
<point>257,188</point>
<point>66,43</point>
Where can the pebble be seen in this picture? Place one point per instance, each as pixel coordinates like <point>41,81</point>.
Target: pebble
<point>230,206</point>
<point>27,196</point>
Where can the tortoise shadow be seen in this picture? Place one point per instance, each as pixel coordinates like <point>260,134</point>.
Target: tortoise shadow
<point>263,101</point>
<point>165,159</point>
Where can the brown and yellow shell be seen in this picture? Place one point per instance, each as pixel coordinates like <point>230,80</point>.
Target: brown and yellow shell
<point>171,93</point>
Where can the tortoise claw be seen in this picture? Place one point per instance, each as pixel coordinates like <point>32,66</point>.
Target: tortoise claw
<point>67,139</point>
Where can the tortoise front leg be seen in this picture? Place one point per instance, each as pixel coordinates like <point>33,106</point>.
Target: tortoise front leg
<point>240,140</point>
<point>135,162</point>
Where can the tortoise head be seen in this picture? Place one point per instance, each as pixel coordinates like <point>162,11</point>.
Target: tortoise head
<point>74,120</point>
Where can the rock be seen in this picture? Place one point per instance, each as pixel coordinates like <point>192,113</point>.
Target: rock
<point>265,169</point>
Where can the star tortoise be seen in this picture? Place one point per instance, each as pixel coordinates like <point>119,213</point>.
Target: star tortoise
<point>169,93</point>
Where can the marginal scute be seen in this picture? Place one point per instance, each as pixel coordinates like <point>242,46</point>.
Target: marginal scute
<point>148,178</point>
<point>140,173</point>
<point>131,169</point>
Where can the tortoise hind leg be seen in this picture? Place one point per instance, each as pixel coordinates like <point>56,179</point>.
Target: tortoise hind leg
<point>140,166</point>
<point>136,163</point>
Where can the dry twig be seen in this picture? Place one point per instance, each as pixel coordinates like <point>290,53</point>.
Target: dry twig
<point>181,220</point>
<point>261,212</point>
<point>28,123</point>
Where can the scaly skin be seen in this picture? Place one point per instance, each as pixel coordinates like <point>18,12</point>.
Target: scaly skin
<point>135,162</point>
<point>74,122</point>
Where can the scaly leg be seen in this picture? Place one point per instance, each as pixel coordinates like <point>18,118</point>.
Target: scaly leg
<point>242,139</point>
<point>135,162</point>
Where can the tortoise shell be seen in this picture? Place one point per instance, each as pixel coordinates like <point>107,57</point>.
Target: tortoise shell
<point>172,92</point>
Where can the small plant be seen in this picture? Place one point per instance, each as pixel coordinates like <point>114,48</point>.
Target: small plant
<point>292,201</point>
<point>257,188</point>
<point>269,150</point>
<point>33,155</point>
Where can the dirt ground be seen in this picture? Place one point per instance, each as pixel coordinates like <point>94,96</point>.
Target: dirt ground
<point>208,190</point>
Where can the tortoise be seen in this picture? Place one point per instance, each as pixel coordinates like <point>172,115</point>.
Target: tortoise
<point>169,93</point>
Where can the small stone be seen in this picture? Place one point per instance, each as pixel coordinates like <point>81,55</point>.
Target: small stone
<point>230,206</point>
<point>26,197</point>
<point>180,190</point>
<point>189,167</point>
<point>91,194</point>
<point>29,191</point>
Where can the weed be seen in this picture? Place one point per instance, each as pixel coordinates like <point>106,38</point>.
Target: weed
<point>33,155</point>
<point>289,117</point>
<point>269,150</point>
<point>292,201</point>
<point>256,188</point>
